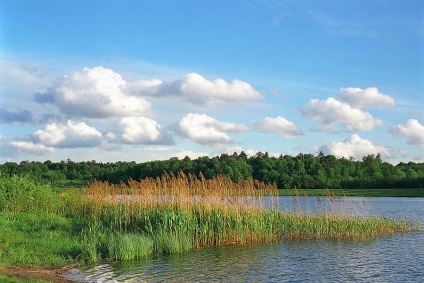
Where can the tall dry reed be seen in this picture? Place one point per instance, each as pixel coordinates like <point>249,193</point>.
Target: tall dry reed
<point>179,213</point>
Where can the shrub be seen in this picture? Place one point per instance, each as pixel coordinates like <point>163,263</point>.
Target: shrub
<point>20,194</point>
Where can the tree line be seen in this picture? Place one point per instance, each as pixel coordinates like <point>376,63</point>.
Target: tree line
<point>302,171</point>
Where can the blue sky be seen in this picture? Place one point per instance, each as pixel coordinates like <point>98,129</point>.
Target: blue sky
<point>148,80</point>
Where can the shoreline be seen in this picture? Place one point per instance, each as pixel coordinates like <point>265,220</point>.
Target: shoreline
<point>53,274</point>
<point>390,192</point>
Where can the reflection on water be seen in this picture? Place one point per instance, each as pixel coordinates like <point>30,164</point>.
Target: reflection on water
<point>388,259</point>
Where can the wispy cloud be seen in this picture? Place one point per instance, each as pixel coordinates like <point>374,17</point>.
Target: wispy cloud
<point>21,78</point>
<point>30,147</point>
<point>339,25</point>
<point>7,116</point>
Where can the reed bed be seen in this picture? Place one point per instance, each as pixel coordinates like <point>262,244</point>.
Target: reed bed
<point>166,215</point>
<point>184,190</point>
<point>173,214</point>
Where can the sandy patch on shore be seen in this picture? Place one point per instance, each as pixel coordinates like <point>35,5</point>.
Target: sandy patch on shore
<point>54,274</point>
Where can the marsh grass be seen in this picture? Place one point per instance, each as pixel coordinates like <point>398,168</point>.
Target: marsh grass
<point>174,214</point>
<point>166,215</point>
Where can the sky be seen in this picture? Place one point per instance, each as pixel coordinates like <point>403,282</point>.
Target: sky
<point>150,80</point>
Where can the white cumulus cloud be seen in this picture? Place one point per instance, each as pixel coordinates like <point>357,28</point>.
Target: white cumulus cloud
<point>97,93</point>
<point>355,147</point>
<point>365,98</point>
<point>138,130</point>
<point>331,112</point>
<point>69,135</point>
<point>198,90</point>
<point>412,130</point>
<point>100,93</point>
<point>281,125</point>
<point>206,130</point>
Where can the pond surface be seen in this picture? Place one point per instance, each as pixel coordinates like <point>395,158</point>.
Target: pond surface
<point>388,259</point>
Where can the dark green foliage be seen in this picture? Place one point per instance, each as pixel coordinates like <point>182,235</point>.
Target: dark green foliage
<point>302,171</point>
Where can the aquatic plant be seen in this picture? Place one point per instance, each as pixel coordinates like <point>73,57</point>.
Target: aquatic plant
<point>179,213</point>
<point>165,215</point>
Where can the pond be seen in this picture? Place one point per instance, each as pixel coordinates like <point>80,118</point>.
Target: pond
<point>388,259</point>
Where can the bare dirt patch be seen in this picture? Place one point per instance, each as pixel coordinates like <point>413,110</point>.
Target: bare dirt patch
<point>54,274</point>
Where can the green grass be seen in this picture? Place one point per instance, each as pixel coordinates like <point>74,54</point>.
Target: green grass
<point>33,230</point>
<point>412,192</point>
<point>48,228</point>
<point>37,239</point>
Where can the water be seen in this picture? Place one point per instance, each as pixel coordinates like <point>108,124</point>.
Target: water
<point>387,259</point>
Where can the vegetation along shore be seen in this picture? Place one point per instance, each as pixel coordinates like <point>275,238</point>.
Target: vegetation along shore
<point>41,226</point>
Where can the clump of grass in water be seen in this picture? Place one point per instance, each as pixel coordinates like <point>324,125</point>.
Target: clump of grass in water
<point>173,214</point>
<point>129,246</point>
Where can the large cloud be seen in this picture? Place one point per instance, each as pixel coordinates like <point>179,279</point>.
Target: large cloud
<point>100,92</point>
<point>97,93</point>
<point>206,130</point>
<point>139,130</point>
<point>281,125</point>
<point>331,112</point>
<point>365,98</point>
<point>195,89</point>
<point>69,135</point>
<point>412,130</point>
<point>355,147</point>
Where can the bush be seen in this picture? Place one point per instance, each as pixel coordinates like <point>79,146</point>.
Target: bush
<point>20,194</point>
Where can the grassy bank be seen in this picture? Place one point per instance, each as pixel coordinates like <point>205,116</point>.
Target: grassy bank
<point>166,215</point>
<point>412,192</point>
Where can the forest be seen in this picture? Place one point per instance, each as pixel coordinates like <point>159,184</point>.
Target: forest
<point>304,171</point>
